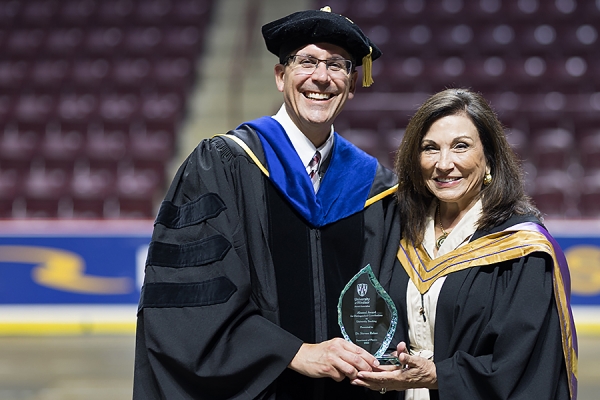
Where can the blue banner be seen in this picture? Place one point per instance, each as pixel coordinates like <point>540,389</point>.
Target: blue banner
<point>103,266</point>
<point>98,263</point>
<point>583,256</point>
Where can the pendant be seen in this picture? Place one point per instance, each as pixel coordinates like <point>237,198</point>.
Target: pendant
<point>438,243</point>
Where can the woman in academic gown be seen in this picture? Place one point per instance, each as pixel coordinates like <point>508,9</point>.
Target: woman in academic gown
<point>481,287</point>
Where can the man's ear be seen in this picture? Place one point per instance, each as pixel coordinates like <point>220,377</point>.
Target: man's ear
<point>280,76</point>
<point>353,80</point>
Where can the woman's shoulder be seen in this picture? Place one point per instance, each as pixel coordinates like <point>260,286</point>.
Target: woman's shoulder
<point>511,221</point>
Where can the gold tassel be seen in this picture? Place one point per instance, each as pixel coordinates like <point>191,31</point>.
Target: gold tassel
<point>367,63</point>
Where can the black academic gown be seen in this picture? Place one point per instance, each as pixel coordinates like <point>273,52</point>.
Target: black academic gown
<point>236,280</point>
<point>497,331</point>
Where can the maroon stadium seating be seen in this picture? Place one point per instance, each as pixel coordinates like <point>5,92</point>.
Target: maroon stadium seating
<point>91,95</point>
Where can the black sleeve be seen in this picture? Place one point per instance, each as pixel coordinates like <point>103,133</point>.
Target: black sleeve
<point>206,324</point>
<point>498,334</point>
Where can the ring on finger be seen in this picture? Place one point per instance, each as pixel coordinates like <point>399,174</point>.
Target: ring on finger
<point>383,390</point>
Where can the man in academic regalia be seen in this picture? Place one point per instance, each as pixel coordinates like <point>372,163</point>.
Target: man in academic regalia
<point>259,233</point>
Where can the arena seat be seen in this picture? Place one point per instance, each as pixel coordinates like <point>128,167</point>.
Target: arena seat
<point>554,193</point>
<point>577,38</point>
<point>76,109</point>
<point>552,148</point>
<point>115,12</point>
<point>518,141</point>
<point>142,41</point>
<point>131,73</point>
<point>76,13</point>
<point>91,74</point>
<point>49,74</point>
<point>13,75</point>
<point>6,107</point>
<point>119,107</point>
<point>400,74</point>
<point>63,42</point>
<point>18,145</point>
<point>135,191</point>
<point>161,108</point>
<point>106,144</point>
<point>6,208</point>
<point>589,149</point>
<point>153,12</point>
<point>114,65</point>
<point>91,190</point>
<point>495,38</point>
<point>11,187</point>
<point>61,148</point>
<point>589,203</point>
<point>173,73</point>
<point>194,12</point>
<point>154,145</point>
<point>44,191</point>
<point>182,41</point>
<point>24,43</point>
<point>103,41</point>
<point>32,107</point>
<point>39,13</point>
<point>536,61</point>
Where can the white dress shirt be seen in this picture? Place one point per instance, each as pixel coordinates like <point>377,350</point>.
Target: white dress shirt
<point>303,146</point>
<point>421,326</point>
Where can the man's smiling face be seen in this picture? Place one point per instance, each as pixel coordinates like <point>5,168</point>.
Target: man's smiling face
<point>314,100</point>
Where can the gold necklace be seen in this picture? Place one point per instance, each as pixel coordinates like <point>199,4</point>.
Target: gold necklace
<point>438,243</point>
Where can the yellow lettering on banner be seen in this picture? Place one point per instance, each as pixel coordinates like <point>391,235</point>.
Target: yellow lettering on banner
<point>584,265</point>
<point>64,270</point>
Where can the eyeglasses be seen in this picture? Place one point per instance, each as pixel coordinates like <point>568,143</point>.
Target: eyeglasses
<point>308,64</point>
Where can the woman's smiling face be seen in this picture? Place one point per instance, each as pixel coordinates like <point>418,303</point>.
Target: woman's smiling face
<point>453,162</point>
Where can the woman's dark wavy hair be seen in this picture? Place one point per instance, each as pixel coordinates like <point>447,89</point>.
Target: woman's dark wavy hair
<point>503,197</point>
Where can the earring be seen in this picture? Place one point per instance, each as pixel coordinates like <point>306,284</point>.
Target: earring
<point>487,179</point>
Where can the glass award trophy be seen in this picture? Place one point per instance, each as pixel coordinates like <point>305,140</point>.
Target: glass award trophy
<point>367,315</point>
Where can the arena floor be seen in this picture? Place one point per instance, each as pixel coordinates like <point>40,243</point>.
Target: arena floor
<point>101,367</point>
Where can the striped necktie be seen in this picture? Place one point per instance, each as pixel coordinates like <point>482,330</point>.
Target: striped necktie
<point>313,170</point>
